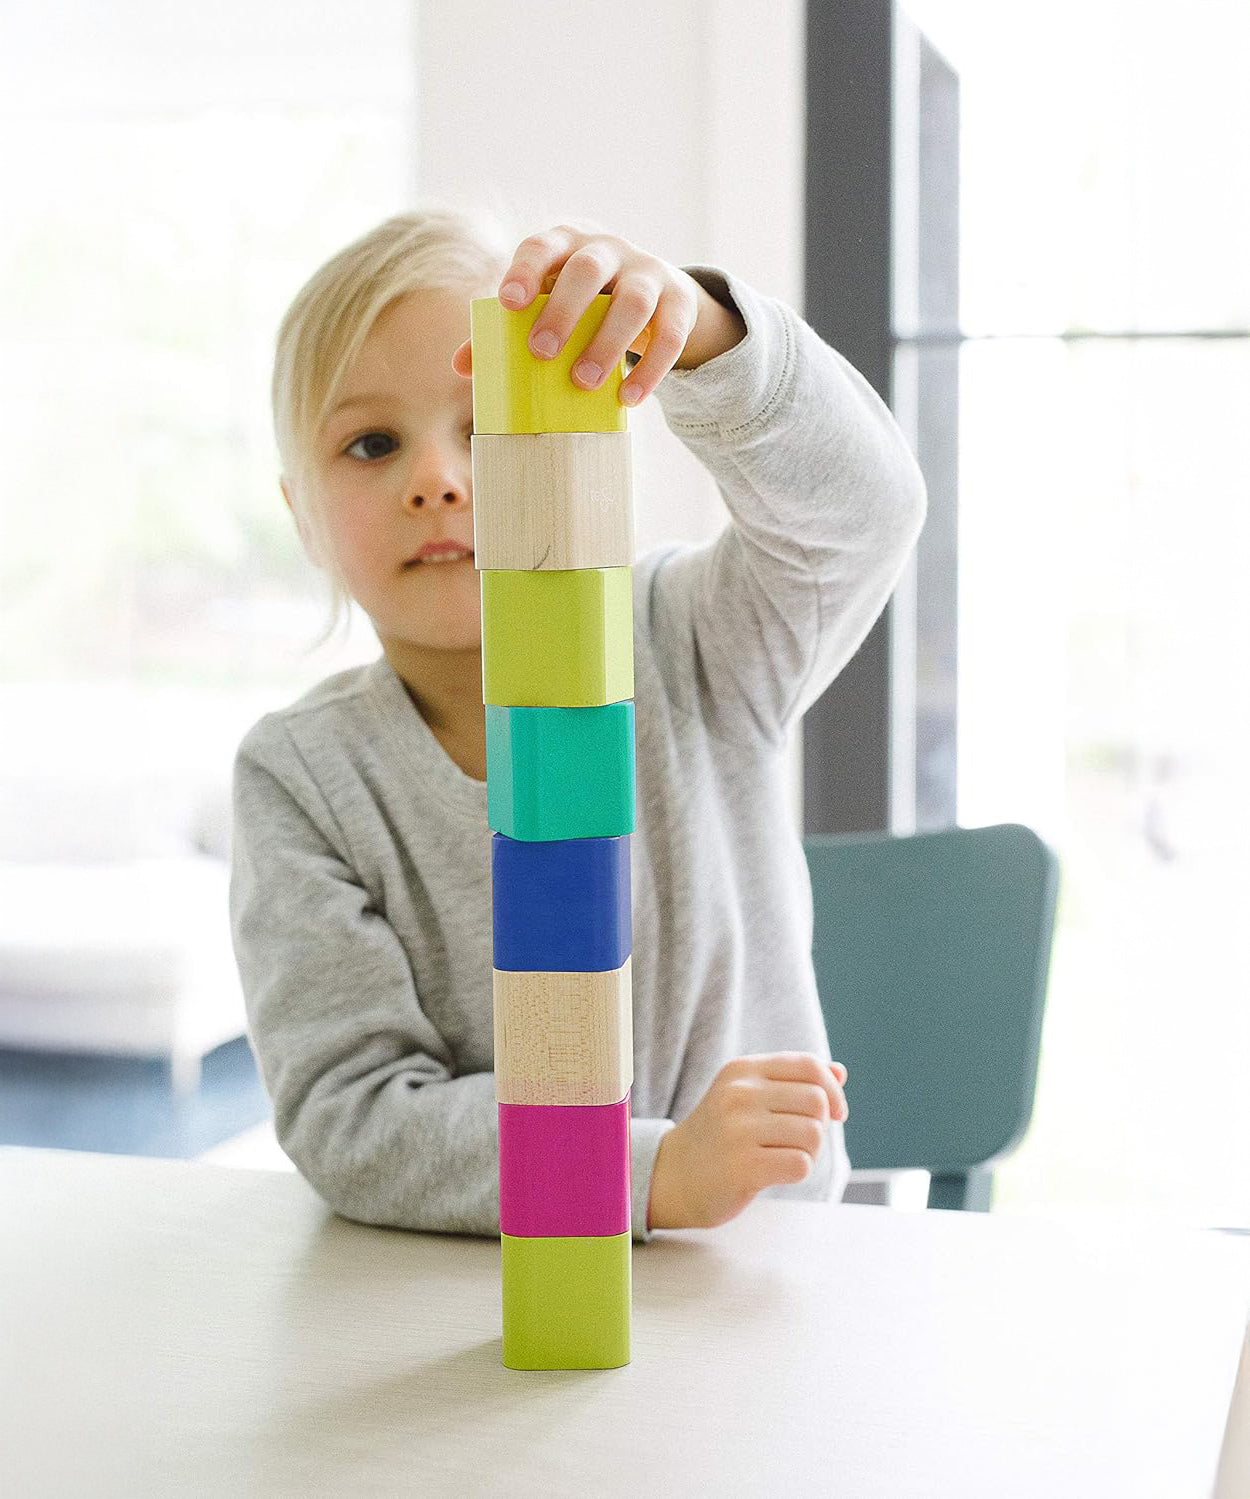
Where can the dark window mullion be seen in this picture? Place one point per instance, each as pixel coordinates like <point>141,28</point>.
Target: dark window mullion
<point>851,245</point>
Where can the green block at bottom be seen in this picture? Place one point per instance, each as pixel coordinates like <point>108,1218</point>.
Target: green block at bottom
<point>566,1302</point>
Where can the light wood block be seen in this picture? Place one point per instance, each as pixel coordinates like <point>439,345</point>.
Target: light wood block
<point>552,500</point>
<point>555,773</point>
<point>564,1172</point>
<point>558,639</point>
<point>564,1038</point>
<point>566,1302</point>
<point>513,391</point>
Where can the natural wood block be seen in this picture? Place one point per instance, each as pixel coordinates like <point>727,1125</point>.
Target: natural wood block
<point>513,391</point>
<point>558,639</point>
<point>552,500</point>
<point>566,1302</point>
<point>556,773</point>
<point>564,1038</point>
<point>561,907</point>
<point>564,1172</point>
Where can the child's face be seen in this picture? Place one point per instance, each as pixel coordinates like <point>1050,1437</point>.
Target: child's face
<point>393,471</point>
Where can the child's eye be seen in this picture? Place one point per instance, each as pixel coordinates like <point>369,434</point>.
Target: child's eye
<point>372,437</point>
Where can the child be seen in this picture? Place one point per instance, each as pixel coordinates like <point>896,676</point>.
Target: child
<point>360,893</point>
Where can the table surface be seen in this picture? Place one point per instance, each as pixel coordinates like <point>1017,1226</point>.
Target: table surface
<point>176,1328</point>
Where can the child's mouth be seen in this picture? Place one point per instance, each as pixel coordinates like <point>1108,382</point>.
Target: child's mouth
<point>439,557</point>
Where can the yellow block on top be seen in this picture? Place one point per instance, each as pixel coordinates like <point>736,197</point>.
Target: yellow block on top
<point>558,639</point>
<point>514,391</point>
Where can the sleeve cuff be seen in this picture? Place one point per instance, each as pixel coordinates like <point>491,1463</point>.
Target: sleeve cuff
<point>644,1144</point>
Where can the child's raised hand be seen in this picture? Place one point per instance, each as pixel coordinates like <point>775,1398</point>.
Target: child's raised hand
<point>654,309</point>
<point>760,1124</point>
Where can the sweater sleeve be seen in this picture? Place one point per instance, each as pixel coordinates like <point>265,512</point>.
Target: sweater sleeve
<point>826,501</point>
<point>365,1102</point>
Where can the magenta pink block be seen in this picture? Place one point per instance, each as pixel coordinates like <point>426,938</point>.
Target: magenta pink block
<point>564,1169</point>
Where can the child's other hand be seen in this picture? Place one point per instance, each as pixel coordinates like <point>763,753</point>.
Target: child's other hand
<point>760,1124</point>
<point>654,310</point>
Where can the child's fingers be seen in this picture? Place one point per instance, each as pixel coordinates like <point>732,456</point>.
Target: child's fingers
<point>674,320</point>
<point>583,276</point>
<point>535,256</point>
<point>804,1099</point>
<point>540,257</point>
<point>647,309</point>
<point>790,1076</point>
<point>633,305</point>
<point>839,1109</point>
<point>790,1066</point>
<point>789,1131</point>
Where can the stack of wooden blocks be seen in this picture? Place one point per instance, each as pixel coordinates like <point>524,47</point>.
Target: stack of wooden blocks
<point>553,528</point>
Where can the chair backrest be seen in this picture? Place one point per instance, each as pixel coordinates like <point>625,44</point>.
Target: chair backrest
<point>932,954</point>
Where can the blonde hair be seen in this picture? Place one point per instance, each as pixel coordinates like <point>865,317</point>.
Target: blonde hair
<point>438,246</point>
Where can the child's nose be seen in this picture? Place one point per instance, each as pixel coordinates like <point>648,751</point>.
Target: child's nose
<point>439,476</point>
<point>455,496</point>
<point>437,485</point>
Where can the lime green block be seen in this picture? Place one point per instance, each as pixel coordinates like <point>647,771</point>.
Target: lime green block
<point>560,772</point>
<point>514,391</point>
<point>557,639</point>
<point>566,1302</point>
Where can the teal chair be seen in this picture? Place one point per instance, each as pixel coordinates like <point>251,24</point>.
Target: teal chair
<point>932,954</point>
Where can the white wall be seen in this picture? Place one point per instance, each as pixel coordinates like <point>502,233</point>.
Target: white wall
<point>678,125</point>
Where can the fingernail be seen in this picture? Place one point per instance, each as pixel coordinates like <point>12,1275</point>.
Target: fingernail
<point>588,372</point>
<point>512,292</point>
<point>631,394</point>
<point>545,344</point>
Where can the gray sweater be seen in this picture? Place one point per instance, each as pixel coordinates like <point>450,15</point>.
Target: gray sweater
<point>360,898</point>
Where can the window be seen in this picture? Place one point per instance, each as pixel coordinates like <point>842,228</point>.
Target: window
<point>170,179</point>
<point>1104,532</point>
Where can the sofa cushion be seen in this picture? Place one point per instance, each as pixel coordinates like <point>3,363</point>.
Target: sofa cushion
<point>138,927</point>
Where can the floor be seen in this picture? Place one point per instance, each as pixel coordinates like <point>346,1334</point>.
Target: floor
<point>128,1105</point>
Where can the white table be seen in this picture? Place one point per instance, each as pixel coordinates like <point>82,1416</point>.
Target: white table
<point>173,1328</point>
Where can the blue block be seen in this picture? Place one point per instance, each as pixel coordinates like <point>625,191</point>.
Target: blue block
<point>561,906</point>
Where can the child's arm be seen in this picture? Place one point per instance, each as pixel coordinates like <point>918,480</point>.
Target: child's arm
<point>366,1100</point>
<point>826,501</point>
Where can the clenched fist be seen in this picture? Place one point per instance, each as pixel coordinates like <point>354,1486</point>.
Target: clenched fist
<point>760,1124</point>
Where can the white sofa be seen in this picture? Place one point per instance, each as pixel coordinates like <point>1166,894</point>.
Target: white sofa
<point>114,872</point>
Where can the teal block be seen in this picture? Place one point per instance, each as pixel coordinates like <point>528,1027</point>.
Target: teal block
<point>560,772</point>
